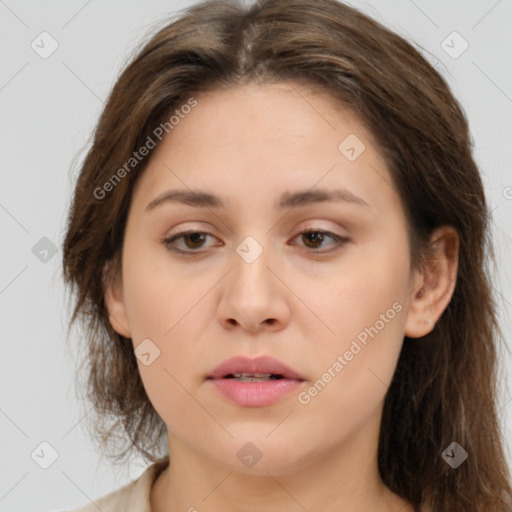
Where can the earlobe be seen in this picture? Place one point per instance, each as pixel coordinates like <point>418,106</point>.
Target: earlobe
<point>114,301</point>
<point>434,287</point>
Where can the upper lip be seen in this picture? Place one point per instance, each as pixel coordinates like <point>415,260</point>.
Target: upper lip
<point>262,364</point>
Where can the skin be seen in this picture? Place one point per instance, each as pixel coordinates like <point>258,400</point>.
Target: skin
<point>250,144</point>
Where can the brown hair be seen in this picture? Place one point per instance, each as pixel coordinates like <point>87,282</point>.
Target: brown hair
<point>444,388</point>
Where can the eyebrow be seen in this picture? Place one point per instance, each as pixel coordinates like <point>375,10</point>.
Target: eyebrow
<point>200,199</point>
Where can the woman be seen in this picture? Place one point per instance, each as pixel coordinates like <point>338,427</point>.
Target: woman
<point>277,247</point>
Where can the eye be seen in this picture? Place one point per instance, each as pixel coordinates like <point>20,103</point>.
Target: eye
<point>192,239</point>
<point>314,238</point>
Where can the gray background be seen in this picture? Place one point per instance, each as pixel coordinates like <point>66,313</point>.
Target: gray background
<point>48,108</point>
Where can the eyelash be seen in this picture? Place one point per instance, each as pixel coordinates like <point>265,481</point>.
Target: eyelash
<point>168,241</point>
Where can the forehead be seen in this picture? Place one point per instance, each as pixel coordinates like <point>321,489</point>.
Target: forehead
<point>282,112</point>
<point>274,136</point>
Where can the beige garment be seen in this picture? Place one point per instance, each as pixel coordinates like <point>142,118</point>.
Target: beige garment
<point>133,497</point>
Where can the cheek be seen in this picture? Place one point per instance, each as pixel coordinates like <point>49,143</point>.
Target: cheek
<point>353,294</point>
<point>354,372</point>
<point>365,309</point>
<point>172,310</point>
<point>159,297</point>
<point>169,395</point>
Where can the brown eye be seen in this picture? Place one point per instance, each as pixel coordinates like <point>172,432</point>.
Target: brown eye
<point>192,240</point>
<point>314,239</point>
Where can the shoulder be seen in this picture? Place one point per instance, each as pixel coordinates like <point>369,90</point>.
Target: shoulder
<point>134,496</point>
<point>113,501</point>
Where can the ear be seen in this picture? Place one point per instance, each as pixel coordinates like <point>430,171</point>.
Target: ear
<point>114,300</point>
<point>434,286</point>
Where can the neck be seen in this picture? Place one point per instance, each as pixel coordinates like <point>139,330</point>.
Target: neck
<point>345,478</point>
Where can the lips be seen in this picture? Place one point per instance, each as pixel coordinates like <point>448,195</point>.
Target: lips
<point>258,382</point>
<point>259,368</point>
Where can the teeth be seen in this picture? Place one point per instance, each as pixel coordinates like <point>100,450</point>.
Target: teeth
<point>254,377</point>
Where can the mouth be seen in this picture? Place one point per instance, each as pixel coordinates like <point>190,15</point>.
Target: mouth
<point>258,369</point>
<point>254,377</point>
<point>257,382</point>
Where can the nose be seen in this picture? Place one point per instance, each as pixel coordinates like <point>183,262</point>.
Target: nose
<point>254,297</point>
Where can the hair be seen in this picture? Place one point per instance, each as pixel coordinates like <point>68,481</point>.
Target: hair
<point>444,386</point>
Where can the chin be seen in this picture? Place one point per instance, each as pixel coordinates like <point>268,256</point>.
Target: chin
<point>252,452</point>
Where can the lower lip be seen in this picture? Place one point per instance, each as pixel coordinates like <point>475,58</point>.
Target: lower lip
<point>255,394</point>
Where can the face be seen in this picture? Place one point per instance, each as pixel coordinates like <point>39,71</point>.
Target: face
<point>323,286</point>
